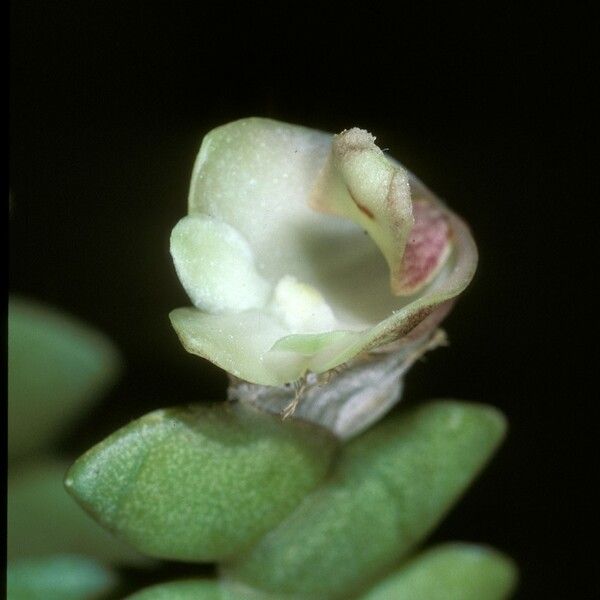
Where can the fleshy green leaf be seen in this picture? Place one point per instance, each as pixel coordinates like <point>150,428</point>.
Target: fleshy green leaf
<point>391,486</point>
<point>200,483</point>
<point>200,589</point>
<point>186,589</point>
<point>57,367</point>
<point>450,572</point>
<point>60,577</point>
<point>44,519</point>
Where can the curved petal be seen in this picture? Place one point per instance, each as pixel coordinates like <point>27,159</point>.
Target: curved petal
<point>360,183</point>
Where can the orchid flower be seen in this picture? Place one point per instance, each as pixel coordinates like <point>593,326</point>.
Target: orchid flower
<point>303,250</point>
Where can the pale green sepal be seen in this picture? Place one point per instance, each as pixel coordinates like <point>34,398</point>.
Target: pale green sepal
<point>450,572</point>
<point>252,345</point>
<point>57,367</point>
<point>58,577</point>
<point>200,483</point>
<point>235,342</point>
<point>44,519</point>
<point>389,489</point>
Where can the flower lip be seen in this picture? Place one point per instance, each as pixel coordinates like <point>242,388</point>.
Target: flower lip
<point>293,283</point>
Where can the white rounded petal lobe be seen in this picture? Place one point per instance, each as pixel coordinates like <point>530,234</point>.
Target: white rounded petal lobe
<point>216,266</point>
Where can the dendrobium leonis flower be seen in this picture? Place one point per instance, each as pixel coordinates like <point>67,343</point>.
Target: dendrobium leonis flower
<point>302,250</point>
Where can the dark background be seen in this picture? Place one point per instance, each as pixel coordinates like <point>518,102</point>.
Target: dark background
<point>109,103</point>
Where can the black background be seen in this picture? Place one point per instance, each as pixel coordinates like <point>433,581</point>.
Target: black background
<point>109,103</point>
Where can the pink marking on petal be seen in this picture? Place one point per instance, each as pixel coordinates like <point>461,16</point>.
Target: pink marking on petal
<point>427,248</point>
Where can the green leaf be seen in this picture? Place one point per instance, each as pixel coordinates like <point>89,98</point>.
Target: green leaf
<point>187,589</point>
<point>60,577</point>
<point>199,589</point>
<point>451,572</point>
<point>392,485</point>
<point>44,519</point>
<point>57,367</point>
<point>200,483</point>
